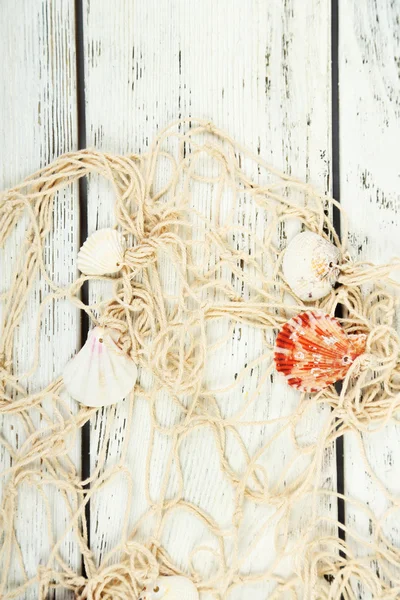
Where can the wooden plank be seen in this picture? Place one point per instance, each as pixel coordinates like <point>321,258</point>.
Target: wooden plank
<point>251,69</point>
<point>370,127</point>
<point>38,122</point>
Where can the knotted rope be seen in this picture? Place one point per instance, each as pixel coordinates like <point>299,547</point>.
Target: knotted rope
<point>203,210</point>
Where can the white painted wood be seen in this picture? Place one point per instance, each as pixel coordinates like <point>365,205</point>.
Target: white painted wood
<point>37,123</point>
<point>370,129</point>
<point>252,68</point>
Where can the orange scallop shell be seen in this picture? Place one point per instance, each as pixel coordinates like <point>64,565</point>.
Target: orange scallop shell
<point>313,351</point>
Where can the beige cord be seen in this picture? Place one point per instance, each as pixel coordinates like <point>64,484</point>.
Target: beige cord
<point>225,269</point>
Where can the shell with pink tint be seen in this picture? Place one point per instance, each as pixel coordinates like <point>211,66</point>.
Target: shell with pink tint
<point>313,351</point>
<point>101,373</point>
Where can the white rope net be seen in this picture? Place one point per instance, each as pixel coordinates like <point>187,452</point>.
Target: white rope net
<point>223,473</point>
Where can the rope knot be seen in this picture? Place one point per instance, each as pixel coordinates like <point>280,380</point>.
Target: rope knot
<point>371,384</point>
<point>11,491</point>
<point>209,126</point>
<point>7,208</point>
<point>237,516</point>
<point>45,574</point>
<point>141,256</point>
<point>362,363</point>
<point>4,365</point>
<point>9,205</point>
<point>122,580</point>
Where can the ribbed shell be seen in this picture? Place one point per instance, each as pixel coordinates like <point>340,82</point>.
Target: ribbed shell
<point>313,351</point>
<point>310,266</point>
<point>102,253</point>
<point>170,588</point>
<point>100,374</point>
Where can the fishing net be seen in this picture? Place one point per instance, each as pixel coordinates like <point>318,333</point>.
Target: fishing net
<point>216,468</point>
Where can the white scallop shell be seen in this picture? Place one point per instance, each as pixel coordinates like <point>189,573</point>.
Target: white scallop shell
<point>170,588</point>
<point>310,266</point>
<point>102,253</point>
<point>100,374</point>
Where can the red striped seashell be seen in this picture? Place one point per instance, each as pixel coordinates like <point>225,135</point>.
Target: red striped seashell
<point>313,351</point>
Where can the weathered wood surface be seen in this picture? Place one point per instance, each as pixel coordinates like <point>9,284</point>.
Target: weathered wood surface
<point>251,69</point>
<point>255,70</point>
<point>370,127</point>
<point>37,123</point>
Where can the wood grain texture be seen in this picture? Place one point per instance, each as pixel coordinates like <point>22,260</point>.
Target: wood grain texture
<point>37,123</point>
<point>370,176</point>
<point>254,70</point>
<point>260,70</point>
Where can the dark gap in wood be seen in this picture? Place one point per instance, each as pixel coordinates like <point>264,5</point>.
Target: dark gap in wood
<point>335,112</point>
<point>340,475</point>
<point>83,231</point>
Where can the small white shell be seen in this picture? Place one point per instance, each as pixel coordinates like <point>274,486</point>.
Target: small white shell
<point>100,374</point>
<point>310,266</point>
<point>170,588</point>
<point>102,253</point>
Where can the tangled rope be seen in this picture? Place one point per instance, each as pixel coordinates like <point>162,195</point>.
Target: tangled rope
<point>224,267</point>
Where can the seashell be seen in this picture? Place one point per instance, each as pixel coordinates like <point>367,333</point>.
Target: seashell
<point>102,253</point>
<point>310,266</point>
<point>170,588</point>
<point>313,351</point>
<point>100,374</point>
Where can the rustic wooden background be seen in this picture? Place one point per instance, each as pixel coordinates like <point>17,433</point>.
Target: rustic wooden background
<point>314,89</point>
